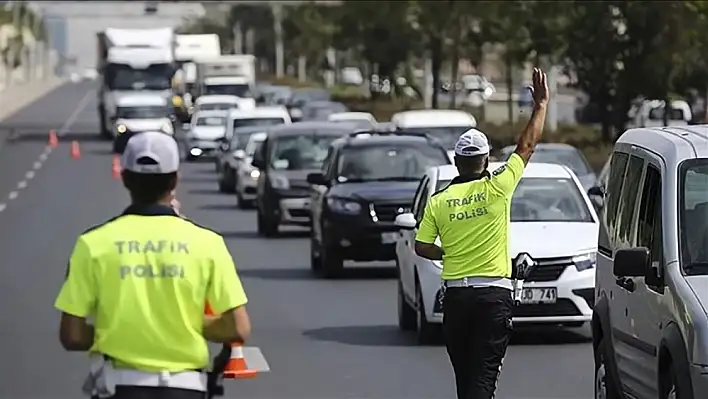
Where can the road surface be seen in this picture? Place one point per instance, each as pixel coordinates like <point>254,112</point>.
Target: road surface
<point>322,339</point>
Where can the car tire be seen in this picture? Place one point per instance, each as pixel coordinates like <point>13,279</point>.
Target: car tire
<point>406,313</point>
<point>242,202</point>
<point>332,261</point>
<point>605,385</point>
<point>267,227</point>
<point>426,333</point>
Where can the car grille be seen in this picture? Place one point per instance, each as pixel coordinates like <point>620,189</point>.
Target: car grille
<point>549,269</point>
<point>563,307</point>
<point>388,212</point>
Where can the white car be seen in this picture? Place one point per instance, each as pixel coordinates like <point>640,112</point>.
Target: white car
<point>363,119</point>
<point>248,174</point>
<point>260,116</point>
<point>206,133</point>
<point>445,124</point>
<point>223,102</point>
<point>552,220</point>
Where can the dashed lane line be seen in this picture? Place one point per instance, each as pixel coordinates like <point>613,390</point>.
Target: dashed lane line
<point>37,165</point>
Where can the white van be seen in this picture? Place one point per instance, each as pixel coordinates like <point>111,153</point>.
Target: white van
<point>260,116</point>
<point>650,319</point>
<point>650,113</point>
<point>445,124</point>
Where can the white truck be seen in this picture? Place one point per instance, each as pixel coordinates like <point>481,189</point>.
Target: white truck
<point>189,51</point>
<point>228,74</point>
<point>130,61</point>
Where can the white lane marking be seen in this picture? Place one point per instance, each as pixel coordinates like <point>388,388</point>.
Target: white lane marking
<point>75,115</point>
<point>255,359</point>
<point>37,165</point>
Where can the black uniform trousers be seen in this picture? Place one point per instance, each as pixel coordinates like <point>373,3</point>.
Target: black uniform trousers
<point>132,392</point>
<point>477,328</point>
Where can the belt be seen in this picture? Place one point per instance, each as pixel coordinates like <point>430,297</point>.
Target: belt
<point>192,380</point>
<point>480,282</point>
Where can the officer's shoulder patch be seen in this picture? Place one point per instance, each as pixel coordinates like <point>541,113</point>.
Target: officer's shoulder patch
<point>499,170</point>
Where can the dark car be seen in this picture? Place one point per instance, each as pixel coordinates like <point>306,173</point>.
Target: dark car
<point>321,110</point>
<point>300,97</point>
<point>288,155</point>
<point>232,153</point>
<point>366,181</point>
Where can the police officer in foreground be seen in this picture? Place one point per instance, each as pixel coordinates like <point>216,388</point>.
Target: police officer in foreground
<point>144,277</point>
<point>471,216</point>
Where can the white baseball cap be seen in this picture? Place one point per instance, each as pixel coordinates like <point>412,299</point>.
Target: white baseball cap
<point>472,143</point>
<point>151,152</point>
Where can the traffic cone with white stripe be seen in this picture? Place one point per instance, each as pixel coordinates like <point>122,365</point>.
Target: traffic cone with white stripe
<point>236,368</point>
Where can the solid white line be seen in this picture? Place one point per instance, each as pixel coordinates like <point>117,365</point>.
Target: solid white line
<point>75,115</point>
<point>255,359</point>
<point>12,195</point>
<point>22,184</point>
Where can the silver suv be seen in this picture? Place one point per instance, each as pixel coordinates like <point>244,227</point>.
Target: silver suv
<point>650,327</point>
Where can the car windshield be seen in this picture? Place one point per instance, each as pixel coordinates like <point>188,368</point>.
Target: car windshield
<point>389,162</point>
<point>675,114</point>
<point>211,121</point>
<point>310,95</point>
<point>357,123</point>
<point>299,152</point>
<point>548,200</point>
<point>447,135</point>
<point>693,215</point>
<point>238,90</point>
<point>218,107</point>
<point>123,77</point>
<point>146,112</point>
<point>239,123</point>
<point>253,145</point>
<point>323,111</point>
<point>559,156</point>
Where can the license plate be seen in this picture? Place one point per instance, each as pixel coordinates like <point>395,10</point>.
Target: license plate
<point>539,295</point>
<point>388,238</point>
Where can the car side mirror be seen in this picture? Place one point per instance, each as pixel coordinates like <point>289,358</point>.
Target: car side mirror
<point>632,262</point>
<point>317,179</point>
<point>239,154</point>
<point>406,221</point>
<point>596,192</point>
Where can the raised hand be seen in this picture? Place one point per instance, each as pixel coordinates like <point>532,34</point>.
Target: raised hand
<point>539,88</point>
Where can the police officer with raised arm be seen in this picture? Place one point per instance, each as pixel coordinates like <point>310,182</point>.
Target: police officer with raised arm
<point>144,278</point>
<point>471,216</point>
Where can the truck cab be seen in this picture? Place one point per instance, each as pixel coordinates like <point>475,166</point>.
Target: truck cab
<point>132,60</point>
<point>233,75</point>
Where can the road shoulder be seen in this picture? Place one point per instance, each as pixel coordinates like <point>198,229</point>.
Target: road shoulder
<point>15,98</point>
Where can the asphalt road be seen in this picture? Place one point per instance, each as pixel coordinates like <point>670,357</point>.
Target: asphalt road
<point>322,339</point>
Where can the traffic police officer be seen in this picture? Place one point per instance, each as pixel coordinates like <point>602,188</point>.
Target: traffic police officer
<point>471,216</point>
<point>144,278</point>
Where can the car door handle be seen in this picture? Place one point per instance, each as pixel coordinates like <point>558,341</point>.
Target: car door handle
<point>626,283</point>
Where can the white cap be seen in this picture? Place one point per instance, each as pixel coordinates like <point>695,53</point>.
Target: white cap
<point>472,143</point>
<point>151,152</point>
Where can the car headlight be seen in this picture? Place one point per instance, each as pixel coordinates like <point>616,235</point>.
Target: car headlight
<point>279,182</point>
<point>343,206</point>
<point>585,261</point>
<point>255,173</point>
<point>121,129</point>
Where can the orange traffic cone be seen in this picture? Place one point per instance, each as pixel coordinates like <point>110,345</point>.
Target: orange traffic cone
<point>115,168</point>
<point>53,140</point>
<point>237,368</point>
<point>75,151</point>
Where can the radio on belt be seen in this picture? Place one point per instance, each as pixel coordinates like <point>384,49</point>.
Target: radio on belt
<point>522,268</point>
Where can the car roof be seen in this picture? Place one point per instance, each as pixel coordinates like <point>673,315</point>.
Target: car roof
<point>212,113</point>
<point>543,146</point>
<point>673,143</point>
<point>258,112</point>
<point>216,98</point>
<point>310,127</point>
<point>534,170</point>
<point>350,115</point>
<point>139,100</point>
<point>433,118</point>
<point>365,139</point>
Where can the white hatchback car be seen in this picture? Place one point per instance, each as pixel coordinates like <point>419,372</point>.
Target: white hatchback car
<point>552,219</point>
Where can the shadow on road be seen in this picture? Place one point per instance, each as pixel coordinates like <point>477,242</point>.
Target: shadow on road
<point>20,136</point>
<point>100,151</point>
<point>392,336</point>
<point>216,207</point>
<point>204,191</point>
<point>362,335</point>
<point>241,235</point>
<point>349,273</point>
<point>198,179</point>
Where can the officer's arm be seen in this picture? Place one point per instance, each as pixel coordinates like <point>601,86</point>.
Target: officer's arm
<point>427,233</point>
<point>77,300</point>
<point>227,299</point>
<point>534,129</point>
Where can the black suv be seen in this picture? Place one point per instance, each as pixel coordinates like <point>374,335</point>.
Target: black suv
<point>367,179</point>
<point>286,157</point>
